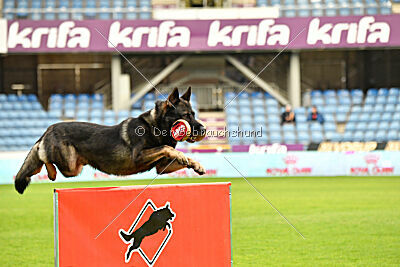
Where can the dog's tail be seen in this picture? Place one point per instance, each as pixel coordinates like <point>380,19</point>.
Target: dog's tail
<point>31,166</point>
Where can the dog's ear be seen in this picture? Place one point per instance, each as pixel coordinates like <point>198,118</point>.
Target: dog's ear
<point>167,206</point>
<point>187,94</point>
<point>173,98</point>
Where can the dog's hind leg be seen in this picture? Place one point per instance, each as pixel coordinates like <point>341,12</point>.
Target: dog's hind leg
<point>71,164</point>
<point>51,171</point>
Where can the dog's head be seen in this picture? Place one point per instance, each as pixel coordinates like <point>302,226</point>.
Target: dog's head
<point>165,214</point>
<point>178,107</point>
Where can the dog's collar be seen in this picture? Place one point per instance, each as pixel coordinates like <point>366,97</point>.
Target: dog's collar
<point>124,131</point>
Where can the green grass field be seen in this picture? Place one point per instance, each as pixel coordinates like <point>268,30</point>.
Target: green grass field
<point>347,221</point>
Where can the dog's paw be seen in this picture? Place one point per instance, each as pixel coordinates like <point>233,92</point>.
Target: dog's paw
<point>198,168</point>
<point>181,158</point>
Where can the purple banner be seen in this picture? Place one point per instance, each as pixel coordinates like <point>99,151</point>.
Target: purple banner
<point>200,35</point>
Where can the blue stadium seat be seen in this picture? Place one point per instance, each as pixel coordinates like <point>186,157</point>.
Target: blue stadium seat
<point>289,137</point>
<point>383,92</point>
<point>343,109</point>
<point>82,114</point>
<point>386,116</point>
<point>262,3</point>
<point>381,136</point>
<point>77,4</point>
<point>258,111</point>
<point>391,100</point>
<point>258,102</point>
<point>232,110</point>
<point>63,5</point>
<point>347,136</point>
<point>315,126</point>
<point>375,117</point>
<point>303,10</point>
<point>69,113</point>
<point>383,125</point>
<point>245,111</point>
<point>303,137</point>
<point>330,126</point>
<point>381,99</point>
<point>274,127</point>
<point>288,127</point>
<point>131,5</point>
<point>317,101</point>
<point>260,126</point>
<point>136,113</point>
<point>270,102</point>
<point>390,108</point>
<point>317,137</point>
<point>235,140</point>
<point>350,126</point>
<point>301,118</point>
<point>260,119</point>
<point>341,117</point>
<point>257,95</point>
<point>12,98</point>
<point>300,110</point>
<point>96,114</point>
<point>317,10</point>
<point>56,105</point>
<point>395,125</point>
<point>370,100</point>
<point>273,119</point>
<point>393,91</point>
<point>364,117</point>
<point>262,140</point>
<point>392,135</point>
<point>345,100</point>
<point>275,137</point>
<point>368,108</point>
<point>124,114</point>
<point>357,100</point>
<point>358,136</point>
<point>244,102</point>
<point>369,135</point>
<point>361,126</point>
<point>331,108</point>
<point>98,105</point>
<point>271,110</point>
<point>96,121</point>
<point>329,117</point>
<point>109,121</point>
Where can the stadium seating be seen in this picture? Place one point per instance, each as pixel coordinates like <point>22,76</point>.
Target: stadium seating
<point>374,116</point>
<point>141,9</point>
<point>23,119</point>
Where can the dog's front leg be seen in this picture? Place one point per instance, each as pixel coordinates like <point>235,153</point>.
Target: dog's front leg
<point>165,154</point>
<point>165,166</point>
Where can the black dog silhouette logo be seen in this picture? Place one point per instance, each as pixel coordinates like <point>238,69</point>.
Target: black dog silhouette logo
<point>160,219</point>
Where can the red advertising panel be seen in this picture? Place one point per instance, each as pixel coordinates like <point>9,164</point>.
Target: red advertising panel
<point>164,225</point>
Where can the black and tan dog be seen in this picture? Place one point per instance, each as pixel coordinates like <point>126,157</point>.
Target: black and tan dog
<point>135,145</point>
